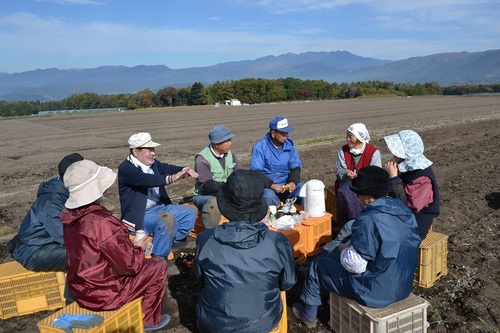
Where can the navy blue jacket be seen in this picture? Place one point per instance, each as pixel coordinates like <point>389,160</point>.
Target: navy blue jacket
<point>133,185</point>
<point>40,234</point>
<point>244,267</point>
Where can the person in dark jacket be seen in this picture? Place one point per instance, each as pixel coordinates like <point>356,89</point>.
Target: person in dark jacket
<point>244,266</point>
<point>106,270</point>
<point>413,180</point>
<point>377,265</point>
<point>39,243</point>
<point>144,202</point>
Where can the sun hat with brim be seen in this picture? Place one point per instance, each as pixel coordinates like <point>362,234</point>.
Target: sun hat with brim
<point>219,134</point>
<point>241,198</point>
<point>371,180</point>
<point>142,140</point>
<point>280,124</point>
<point>86,182</point>
<point>409,146</point>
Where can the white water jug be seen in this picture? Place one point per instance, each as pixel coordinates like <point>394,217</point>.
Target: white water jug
<point>313,193</point>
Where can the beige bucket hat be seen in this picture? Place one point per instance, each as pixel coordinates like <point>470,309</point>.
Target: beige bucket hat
<point>86,182</point>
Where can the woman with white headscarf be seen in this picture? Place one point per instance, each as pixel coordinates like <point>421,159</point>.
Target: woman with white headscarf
<point>354,155</point>
<point>413,180</point>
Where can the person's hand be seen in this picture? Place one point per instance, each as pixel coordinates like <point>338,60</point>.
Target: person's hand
<point>142,242</point>
<point>184,173</point>
<point>392,169</point>
<point>343,246</point>
<point>351,174</point>
<point>277,188</point>
<point>291,187</point>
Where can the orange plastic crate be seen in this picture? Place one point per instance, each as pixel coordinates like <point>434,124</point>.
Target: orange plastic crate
<point>25,292</point>
<point>129,319</point>
<point>432,258</point>
<point>297,238</point>
<point>318,232</point>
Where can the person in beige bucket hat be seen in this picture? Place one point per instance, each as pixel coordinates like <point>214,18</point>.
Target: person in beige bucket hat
<point>106,269</point>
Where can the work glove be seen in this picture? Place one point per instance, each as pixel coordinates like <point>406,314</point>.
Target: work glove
<point>84,321</point>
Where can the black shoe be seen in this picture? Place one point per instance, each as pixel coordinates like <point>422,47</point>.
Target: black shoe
<point>172,269</point>
<point>297,309</point>
<point>183,244</point>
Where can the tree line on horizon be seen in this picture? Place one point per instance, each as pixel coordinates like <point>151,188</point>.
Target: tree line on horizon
<point>247,91</point>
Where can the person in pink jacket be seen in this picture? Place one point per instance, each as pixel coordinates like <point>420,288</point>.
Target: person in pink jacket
<point>106,269</point>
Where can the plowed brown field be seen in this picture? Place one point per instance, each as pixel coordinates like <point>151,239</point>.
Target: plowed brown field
<point>461,135</point>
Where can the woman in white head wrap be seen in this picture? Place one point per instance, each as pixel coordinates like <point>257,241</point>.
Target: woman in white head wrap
<point>354,155</point>
<point>413,180</point>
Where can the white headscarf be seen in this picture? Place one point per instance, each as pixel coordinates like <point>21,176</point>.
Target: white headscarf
<point>360,132</point>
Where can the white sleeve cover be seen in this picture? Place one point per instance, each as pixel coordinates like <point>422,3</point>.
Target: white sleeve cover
<point>352,261</point>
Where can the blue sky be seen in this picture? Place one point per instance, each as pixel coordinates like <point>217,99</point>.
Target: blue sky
<point>40,34</point>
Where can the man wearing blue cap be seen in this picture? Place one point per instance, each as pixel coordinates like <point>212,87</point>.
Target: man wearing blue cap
<point>276,156</point>
<point>213,164</point>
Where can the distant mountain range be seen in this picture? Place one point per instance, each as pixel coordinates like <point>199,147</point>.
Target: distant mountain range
<point>337,66</point>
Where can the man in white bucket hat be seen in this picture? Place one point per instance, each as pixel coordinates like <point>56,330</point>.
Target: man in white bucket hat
<point>106,269</point>
<point>145,204</point>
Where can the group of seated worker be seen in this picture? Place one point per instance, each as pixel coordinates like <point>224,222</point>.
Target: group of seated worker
<point>244,266</point>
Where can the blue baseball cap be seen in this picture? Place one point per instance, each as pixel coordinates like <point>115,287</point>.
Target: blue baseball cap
<point>280,124</point>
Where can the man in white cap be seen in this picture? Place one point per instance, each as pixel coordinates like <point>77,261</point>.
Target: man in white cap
<point>213,164</point>
<point>145,204</point>
<point>106,270</point>
<point>276,156</point>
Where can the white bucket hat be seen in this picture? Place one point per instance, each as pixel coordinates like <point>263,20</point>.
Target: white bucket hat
<point>142,140</point>
<point>86,182</point>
